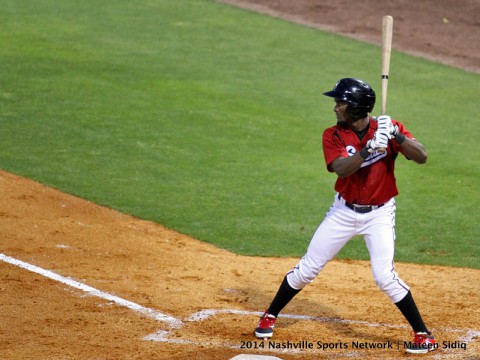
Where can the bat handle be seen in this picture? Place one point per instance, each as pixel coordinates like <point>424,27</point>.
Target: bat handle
<point>384,94</point>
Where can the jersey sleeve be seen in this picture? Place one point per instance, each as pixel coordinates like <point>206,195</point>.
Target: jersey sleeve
<point>333,147</point>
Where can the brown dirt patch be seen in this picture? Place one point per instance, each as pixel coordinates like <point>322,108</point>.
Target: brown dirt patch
<point>444,31</point>
<point>178,276</point>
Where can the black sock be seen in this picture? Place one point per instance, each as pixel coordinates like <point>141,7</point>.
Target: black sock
<point>284,294</point>
<point>409,309</point>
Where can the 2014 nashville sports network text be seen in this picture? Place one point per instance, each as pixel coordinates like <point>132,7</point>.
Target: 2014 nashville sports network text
<point>319,345</point>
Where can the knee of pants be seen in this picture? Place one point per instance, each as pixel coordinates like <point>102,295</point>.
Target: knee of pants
<point>381,281</point>
<point>391,285</point>
<point>304,273</point>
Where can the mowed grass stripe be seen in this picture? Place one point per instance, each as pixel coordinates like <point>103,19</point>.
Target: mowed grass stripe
<point>208,119</point>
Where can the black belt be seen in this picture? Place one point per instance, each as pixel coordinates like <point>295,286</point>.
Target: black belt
<point>361,209</point>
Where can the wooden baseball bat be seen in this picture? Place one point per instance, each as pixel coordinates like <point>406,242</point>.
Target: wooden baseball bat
<point>387,28</point>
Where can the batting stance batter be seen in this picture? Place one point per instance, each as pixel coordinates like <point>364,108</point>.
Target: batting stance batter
<point>361,150</point>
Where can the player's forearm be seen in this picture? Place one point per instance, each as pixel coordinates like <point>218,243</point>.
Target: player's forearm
<point>414,150</point>
<point>346,166</point>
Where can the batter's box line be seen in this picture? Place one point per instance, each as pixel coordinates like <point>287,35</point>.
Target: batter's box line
<point>165,336</point>
<point>469,337</point>
<point>205,314</point>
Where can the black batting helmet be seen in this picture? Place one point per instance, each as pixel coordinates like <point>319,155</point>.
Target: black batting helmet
<point>359,96</point>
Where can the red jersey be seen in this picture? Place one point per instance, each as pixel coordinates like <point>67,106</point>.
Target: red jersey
<point>374,183</point>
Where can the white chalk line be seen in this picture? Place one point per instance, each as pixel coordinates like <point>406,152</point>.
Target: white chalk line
<point>205,314</point>
<point>154,314</point>
<point>163,336</point>
<point>174,323</point>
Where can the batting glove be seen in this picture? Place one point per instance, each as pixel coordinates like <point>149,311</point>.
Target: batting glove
<point>379,142</point>
<point>385,125</point>
<point>371,146</point>
<point>394,131</point>
<point>381,138</point>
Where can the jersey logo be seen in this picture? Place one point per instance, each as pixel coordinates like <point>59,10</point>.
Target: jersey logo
<point>371,159</point>
<point>350,150</point>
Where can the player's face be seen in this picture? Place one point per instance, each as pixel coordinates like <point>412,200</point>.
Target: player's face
<point>340,110</point>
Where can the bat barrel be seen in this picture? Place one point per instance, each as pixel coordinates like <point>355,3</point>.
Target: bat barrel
<point>387,31</point>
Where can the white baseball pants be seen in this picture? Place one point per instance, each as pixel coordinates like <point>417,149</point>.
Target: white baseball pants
<point>338,227</point>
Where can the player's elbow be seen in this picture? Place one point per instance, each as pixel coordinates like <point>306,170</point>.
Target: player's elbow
<point>343,173</point>
<point>418,154</point>
<point>421,154</point>
<point>422,157</point>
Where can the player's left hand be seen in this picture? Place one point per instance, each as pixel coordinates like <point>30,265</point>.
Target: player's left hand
<point>394,131</point>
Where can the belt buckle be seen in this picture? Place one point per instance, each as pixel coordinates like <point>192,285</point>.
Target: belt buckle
<point>362,209</point>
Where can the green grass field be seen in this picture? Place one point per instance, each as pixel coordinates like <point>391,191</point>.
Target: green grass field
<point>208,119</point>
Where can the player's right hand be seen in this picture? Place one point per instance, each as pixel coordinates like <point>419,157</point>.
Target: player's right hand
<point>372,146</point>
<point>385,125</point>
<point>379,142</point>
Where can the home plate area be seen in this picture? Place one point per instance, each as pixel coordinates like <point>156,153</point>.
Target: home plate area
<point>308,335</point>
<point>296,336</point>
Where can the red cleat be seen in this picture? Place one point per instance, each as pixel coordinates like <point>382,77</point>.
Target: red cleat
<point>422,343</point>
<point>265,326</point>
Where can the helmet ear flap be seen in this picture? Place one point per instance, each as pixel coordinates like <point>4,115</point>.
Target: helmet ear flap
<point>356,113</point>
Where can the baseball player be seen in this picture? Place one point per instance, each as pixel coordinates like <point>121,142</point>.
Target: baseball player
<point>361,150</point>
